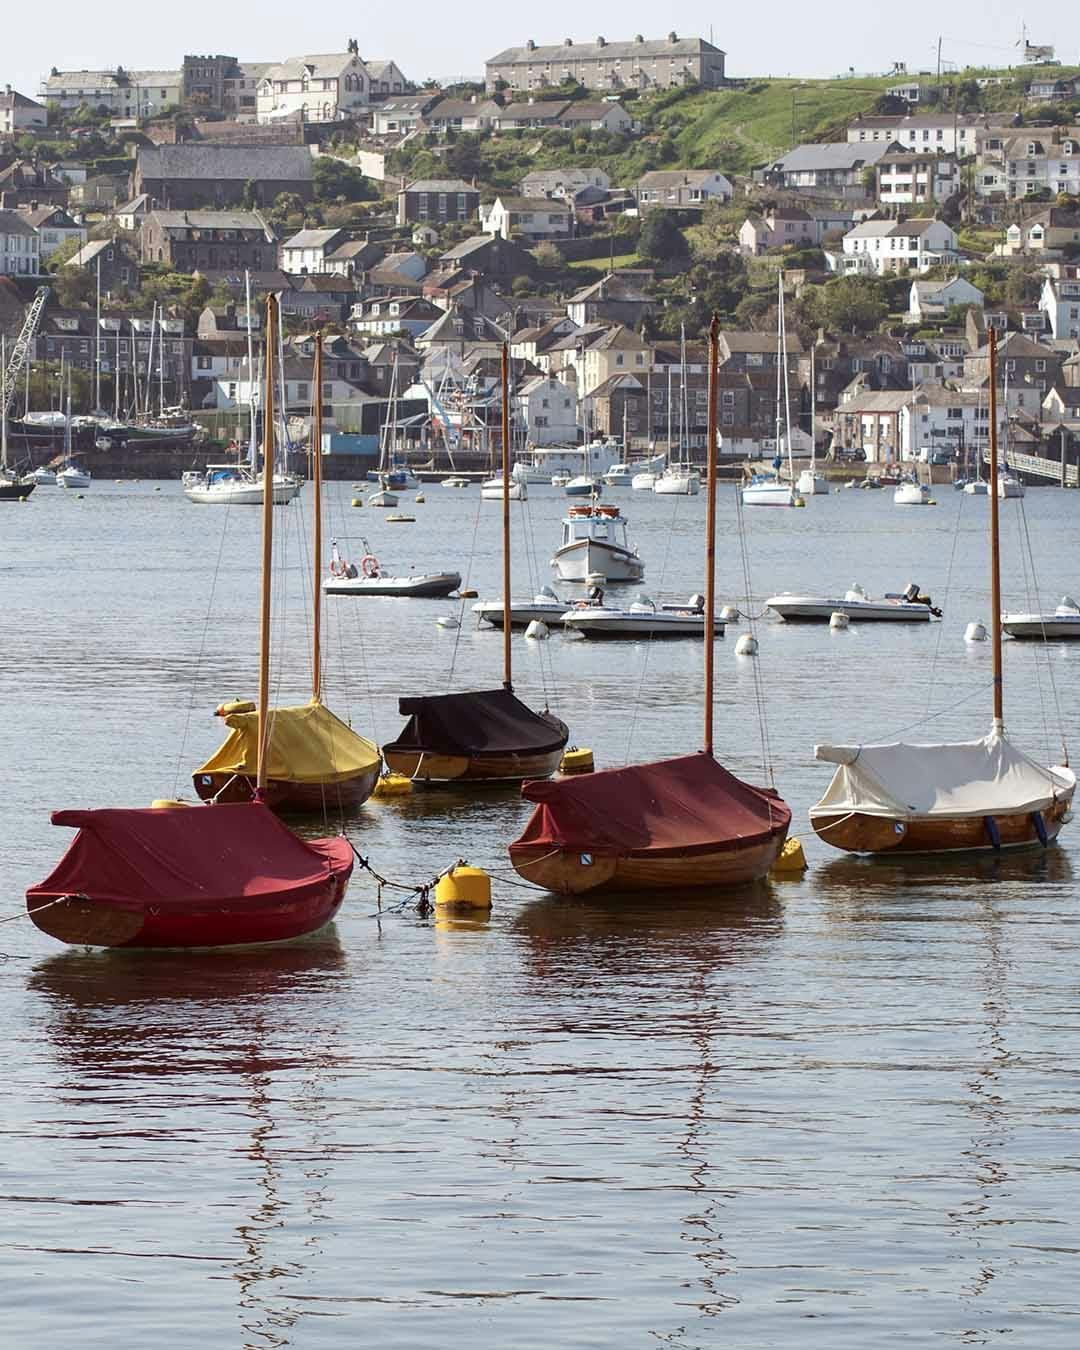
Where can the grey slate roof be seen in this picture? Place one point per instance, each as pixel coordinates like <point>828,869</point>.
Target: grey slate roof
<point>831,155</point>
<point>212,220</point>
<point>273,163</point>
<point>608,51</point>
<point>447,185</point>
<point>13,223</point>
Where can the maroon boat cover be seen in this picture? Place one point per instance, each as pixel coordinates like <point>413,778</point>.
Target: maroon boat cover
<point>674,806</point>
<point>172,856</point>
<point>491,722</point>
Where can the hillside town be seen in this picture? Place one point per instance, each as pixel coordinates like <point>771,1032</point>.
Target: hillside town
<point>582,201</point>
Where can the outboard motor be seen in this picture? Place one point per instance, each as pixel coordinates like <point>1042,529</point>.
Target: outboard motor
<point>696,602</point>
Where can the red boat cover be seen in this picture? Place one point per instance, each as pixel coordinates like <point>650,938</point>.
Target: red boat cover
<point>491,722</point>
<point>172,856</point>
<point>672,807</point>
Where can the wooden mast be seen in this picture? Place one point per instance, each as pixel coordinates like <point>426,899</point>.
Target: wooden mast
<point>507,672</point>
<point>995,549</point>
<point>710,531</point>
<point>267,553</point>
<point>316,533</point>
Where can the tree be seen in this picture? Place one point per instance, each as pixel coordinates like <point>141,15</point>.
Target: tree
<point>335,179</point>
<point>852,305</point>
<point>73,287</point>
<point>63,254</point>
<point>661,239</point>
<point>548,257</point>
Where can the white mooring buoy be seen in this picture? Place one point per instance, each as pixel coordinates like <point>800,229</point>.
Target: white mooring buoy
<point>838,619</point>
<point>729,614</point>
<point>975,632</point>
<point>537,629</point>
<point>447,621</point>
<point>746,645</point>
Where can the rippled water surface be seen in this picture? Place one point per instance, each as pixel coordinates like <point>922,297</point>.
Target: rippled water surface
<point>833,1112</point>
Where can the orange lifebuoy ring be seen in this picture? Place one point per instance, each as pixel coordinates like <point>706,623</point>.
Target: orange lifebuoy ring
<point>339,567</point>
<point>369,565</point>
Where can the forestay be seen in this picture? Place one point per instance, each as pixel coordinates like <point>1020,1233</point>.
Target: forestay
<point>967,778</point>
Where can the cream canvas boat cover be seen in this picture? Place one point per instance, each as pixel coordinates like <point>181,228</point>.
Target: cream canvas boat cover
<point>968,778</point>
<point>308,744</point>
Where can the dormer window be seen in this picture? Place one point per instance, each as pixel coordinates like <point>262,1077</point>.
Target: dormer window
<point>1031,149</point>
<point>1067,148</point>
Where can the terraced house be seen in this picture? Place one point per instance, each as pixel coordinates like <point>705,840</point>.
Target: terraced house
<point>319,88</point>
<point>637,64</point>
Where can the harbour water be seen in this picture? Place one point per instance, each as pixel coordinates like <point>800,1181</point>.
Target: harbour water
<point>830,1112</point>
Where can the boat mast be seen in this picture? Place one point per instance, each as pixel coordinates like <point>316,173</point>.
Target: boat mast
<point>116,379</point>
<point>253,415</point>
<point>316,535</point>
<point>710,531</point>
<point>150,363</point>
<point>3,401</point>
<point>507,672</point>
<point>995,552</point>
<point>97,340</point>
<point>267,555</point>
<point>787,387</point>
<point>813,415</point>
<point>161,363</point>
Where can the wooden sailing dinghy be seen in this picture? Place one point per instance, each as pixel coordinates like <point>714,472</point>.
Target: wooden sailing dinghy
<point>683,822</point>
<point>181,876</point>
<point>487,736</point>
<point>314,761</point>
<point>944,798</point>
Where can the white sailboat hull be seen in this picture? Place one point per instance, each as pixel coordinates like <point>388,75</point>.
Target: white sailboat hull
<point>768,494</point>
<point>492,490</point>
<point>582,558</point>
<point>811,484</point>
<point>643,482</point>
<point>977,489</point>
<point>911,494</point>
<point>240,493</point>
<point>1010,487</point>
<point>678,483</point>
<point>73,478</point>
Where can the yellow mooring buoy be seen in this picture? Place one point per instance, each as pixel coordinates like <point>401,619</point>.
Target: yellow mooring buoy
<point>463,887</point>
<point>791,862</point>
<point>576,761</point>
<point>392,785</point>
<point>166,804</point>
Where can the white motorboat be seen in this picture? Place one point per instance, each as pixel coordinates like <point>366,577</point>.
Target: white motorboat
<point>44,477</point>
<point>455,482</point>
<point>559,479</point>
<point>644,481</point>
<point>911,494</point>
<point>384,497</point>
<point>1063,623</point>
<point>594,545</point>
<point>545,462</point>
<point>71,476</point>
<point>768,490</point>
<point>492,490</point>
<point>584,485</point>
<point>1010,486</point>
<point>235,485</point>
<point>545,607</point>
<point>810,483</point>
<point>908,607</point>
<point>623,475</point>
<point>640,620</point>
<point>678,480</point>
<point>368,578</point>
<point>978,487</point>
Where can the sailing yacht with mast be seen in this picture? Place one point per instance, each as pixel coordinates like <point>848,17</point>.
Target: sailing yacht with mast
<point>811,483</point>
<point>770,489</point>
<point>982,795</point>
<point>488,736</point>
<point>679,478</point>
<point>684,822</point>
<point>186,876</point>
<point>313,760</point>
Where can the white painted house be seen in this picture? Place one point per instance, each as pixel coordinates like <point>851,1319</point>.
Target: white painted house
<point>933,299</point>
<point>534,218</point>
<point>305,253</point>
<point>319,88</point>
<point>547,408</point>
<point>20,247</point>
<point>19,113</point>
<point>883,246</point>
<point>1060,302</point>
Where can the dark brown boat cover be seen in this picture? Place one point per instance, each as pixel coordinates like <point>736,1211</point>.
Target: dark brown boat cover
<point>238,852</point>
<point>672,807</point>
<point>493,722</point>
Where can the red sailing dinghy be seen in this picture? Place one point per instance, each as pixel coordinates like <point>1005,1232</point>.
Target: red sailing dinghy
<point>200,876</point>
<point>676,823</point>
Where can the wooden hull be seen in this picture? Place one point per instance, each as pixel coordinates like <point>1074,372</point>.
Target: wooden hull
<point>95,922</point>
<point>284,795</point>
<point>856,832</point>
<point>424,767</point>
<point>566,874</point>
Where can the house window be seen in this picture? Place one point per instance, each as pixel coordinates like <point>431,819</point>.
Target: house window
<point>302,390</point>
<point>728,398</point>
<point>728,419</point>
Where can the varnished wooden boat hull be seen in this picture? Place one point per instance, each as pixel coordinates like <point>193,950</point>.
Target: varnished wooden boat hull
<point>566,874</point>
<point>858,833</point>
<point>88,921</point>
<point>283,794</point>
<point>426,767</point>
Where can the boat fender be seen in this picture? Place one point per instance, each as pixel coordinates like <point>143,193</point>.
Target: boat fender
<point>1040,828</point>
<point>992,831</point>
<point>369,565</point>
<point>463,887</point>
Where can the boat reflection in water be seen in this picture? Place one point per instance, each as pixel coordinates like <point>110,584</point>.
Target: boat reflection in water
<point>157,1055</point>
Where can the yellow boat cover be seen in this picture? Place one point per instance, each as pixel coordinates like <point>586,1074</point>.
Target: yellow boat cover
<point>307,744</point>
